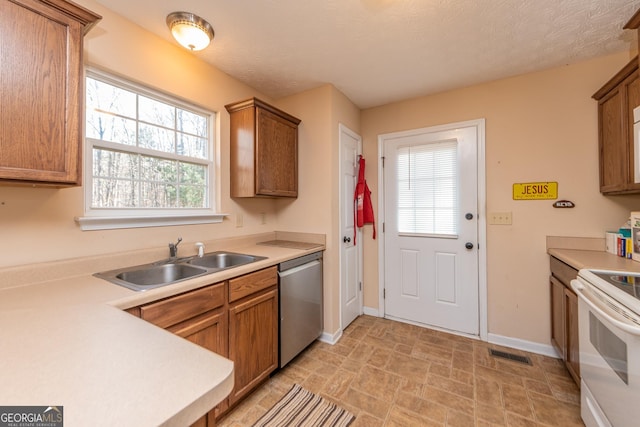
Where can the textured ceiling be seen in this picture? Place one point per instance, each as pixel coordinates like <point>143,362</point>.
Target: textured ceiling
<point>381,51</point>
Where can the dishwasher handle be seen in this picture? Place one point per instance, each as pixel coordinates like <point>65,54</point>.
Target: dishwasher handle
<point>294,270</point>
<point>287,265</point>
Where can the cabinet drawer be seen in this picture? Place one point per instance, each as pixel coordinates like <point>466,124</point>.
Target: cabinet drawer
<point>176,309</point>
<point>563,272</point>
<point>252,282</point>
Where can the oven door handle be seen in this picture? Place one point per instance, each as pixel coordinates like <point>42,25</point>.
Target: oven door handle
<point>627,327</point>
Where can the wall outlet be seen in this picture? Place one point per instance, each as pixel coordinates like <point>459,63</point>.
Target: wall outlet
<point>239,220</point>
<point>500,218</point>
<point>263,218</point>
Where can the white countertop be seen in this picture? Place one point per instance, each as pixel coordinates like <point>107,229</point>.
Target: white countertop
<point>579,259</point>
<point>67,342</point>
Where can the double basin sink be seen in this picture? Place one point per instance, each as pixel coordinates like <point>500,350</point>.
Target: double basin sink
<point>173,270</point>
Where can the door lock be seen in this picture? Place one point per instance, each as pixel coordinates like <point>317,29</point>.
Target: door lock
<point>468,245</point>
<point>346,239</point>
<point>469,216</point>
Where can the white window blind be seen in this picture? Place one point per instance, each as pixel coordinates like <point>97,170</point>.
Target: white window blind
<point>428,188</point>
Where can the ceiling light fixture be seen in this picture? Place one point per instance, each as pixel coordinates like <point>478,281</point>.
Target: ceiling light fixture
<point>190,30</point>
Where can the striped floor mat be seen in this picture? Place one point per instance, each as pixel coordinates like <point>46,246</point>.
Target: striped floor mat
<point>301,408</point>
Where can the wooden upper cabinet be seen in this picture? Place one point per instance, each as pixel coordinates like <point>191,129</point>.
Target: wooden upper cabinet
<point>616,101</point>
<point>264,150</point>
<point>42,90</point>
<point>634,24</point>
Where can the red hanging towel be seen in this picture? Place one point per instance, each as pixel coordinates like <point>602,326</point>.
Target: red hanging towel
<point>364,208</point>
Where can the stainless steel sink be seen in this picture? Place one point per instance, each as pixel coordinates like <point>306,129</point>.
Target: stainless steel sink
<point>169,271</point>
<point>160,274</point>
<point>223,260</point>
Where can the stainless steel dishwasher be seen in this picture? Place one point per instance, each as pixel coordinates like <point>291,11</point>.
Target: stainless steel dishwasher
<point>300,304</point>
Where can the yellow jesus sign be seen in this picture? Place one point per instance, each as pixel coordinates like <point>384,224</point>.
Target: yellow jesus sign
<point>535,191</point>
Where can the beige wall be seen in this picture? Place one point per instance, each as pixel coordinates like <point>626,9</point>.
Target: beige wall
<point>539,127</point>
<point>37,223</point>
<point>317,207</point>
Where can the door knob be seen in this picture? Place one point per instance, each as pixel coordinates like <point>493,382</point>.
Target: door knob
<point>469,216</point>
<point>468,245</point>
<point>346,239</point>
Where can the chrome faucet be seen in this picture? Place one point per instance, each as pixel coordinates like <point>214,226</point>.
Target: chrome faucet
<point>173,248</point>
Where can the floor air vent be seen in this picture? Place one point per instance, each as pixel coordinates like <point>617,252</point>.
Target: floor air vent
<point>510,356</point>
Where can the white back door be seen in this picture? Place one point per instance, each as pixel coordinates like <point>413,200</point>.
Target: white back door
<point>431,227</point>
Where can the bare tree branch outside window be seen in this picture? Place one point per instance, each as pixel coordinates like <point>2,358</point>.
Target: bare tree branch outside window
<point>147,152</point>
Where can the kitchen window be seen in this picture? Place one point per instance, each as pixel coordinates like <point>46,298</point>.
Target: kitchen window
<point>148,157</point>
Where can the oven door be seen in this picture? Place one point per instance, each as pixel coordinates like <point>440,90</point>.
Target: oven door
<point>609,359</point>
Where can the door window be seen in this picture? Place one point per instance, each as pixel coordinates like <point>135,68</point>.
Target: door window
<point>427,177</point>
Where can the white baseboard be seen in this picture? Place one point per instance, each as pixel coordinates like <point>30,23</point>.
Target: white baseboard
<point>331,338</point>
<point>369,311</point>
<point>530,346</point>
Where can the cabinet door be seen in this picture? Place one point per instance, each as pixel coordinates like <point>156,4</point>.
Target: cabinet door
<point>558,327</point>
<point>276,155</point>
<point>42,89</point>
<point>573,350</point>
<point>199,316</point>
<point>253,341</point>
<point>614,149</point>
<point>209,331</point>
<point>631,87</point>
<point>616,101</point>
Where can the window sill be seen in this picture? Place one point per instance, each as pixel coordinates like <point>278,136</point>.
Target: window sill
<point>89,223</point>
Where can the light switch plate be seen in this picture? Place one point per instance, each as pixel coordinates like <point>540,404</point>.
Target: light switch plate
<point>500,218</point>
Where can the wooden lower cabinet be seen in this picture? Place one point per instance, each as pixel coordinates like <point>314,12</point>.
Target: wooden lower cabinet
<point>572,359</point>
<point>564,316</point>
<point>206,421</point>
<point>209,331</point>
<point>199,316</point>
<point>253,341</point>
<point>558,317</point>
<point>237,319</point>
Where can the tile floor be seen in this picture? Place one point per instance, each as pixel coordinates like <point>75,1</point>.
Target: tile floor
<point>393,374</point>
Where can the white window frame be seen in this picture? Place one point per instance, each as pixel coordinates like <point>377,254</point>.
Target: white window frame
<point>116,218</point>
